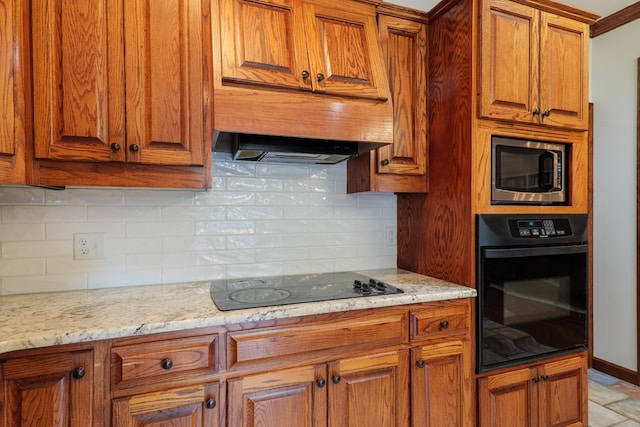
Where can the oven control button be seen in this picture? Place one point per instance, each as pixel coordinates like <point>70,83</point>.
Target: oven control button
<point>525,232</point>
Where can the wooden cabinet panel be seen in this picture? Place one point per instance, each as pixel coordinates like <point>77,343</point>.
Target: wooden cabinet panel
<point>186,407</point>
<point>401,166</point>
<point>504,400</point>
<point>12,89</point>
<point>563,393</point>
<point>440,319</point>
<point>440,393</point>
<point>51,390</point>
<point>291,398</point>
<point>78,80</point>
<point>564,66</point>
<point>165,81</point>
<point>369,391</point>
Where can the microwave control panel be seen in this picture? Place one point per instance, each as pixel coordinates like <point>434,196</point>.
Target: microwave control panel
<point>540,228</point>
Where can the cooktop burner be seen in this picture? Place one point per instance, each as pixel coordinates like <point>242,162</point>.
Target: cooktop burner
<point>235,294</point>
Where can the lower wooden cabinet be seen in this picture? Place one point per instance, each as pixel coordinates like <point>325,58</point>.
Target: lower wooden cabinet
<point>53,390</point>
<point>363,391</point>
<point>181,407</point>
<point>440,388</point>
<point>549,394</point>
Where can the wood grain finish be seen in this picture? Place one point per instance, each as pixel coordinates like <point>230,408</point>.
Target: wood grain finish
<point>401,166</point>
<point>441,319</point>
<point>42,390</point>
<point>616,20</point>
<point>12,89</point>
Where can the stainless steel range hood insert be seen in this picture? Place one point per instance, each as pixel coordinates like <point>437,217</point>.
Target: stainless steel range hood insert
<point>279,149</point>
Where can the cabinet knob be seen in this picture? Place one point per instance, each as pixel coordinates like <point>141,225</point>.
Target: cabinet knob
<point>544,378</point>
<point>536,380</point>
<point>444,324</point>
<point>166,364</point>
<point>385,162</point>
<point>320,77</point>
<point>305,74</point>
<point>536,112</point>
<point>78,373</point>
<point>546,113</point>
<point>336,379</point>
<point>210,403</point>
<point>115,147</point>
<point>134,148</point>
<point>320,383</point>
<point>420,363</point>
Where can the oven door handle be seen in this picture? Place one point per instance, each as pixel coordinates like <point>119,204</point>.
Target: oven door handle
<point>535,251</point>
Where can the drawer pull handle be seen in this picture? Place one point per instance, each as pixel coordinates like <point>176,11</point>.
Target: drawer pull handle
<point>385,162</point>
<point>210,403</point>
<point>336,379</point>
<point>78,373</point>
<point>444,324</point>
<point>420,363</point>
<point>166,364</point>
<point>320,383</point>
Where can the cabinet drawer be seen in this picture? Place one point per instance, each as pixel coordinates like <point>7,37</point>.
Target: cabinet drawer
<point>440,319</point>
<point>369,330</point>
<point>161,359</point>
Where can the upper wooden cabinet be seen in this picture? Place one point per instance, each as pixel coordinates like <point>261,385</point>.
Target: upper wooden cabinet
<point>121,82</point>
<point>12,119</point>
<point>534,66</point>
<point>401,166</point>
<point>315,45</point>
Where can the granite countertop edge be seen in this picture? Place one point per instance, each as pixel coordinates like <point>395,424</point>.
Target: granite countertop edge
<point>71,317</point>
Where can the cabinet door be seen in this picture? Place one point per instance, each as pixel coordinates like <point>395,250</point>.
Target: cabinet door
<point>167,49</point>
<point>440,385</point>
<point>291,398</point>
<point>404,47</point>
<point>564,67</point>
<point>563,393</point>
<point>343,49</point>
<point>509,58</point>
<point>55,390</point>
<point>196,407</point>
<point>369,391</point>
<point>78,80</point>
<point>12,138</point>
<point>508,399</point>
<point>263,43</point>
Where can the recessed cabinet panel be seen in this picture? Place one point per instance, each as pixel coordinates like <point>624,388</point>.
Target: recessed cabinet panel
<point>7,81</point>
<point>263,45</point>
<point>78,82</point>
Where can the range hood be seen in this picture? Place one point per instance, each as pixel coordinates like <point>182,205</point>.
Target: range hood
<point>280,149</point>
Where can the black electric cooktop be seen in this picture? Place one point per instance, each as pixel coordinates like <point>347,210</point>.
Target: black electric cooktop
<point>235,294</point>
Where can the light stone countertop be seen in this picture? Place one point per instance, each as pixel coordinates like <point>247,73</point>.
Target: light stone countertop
<point>45,319</point>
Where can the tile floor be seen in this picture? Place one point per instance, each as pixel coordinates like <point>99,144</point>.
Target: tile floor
<point>612,402</point>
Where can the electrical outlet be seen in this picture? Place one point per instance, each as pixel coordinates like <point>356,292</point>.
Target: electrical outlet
<point>88,246</point>
<point>390,236</point>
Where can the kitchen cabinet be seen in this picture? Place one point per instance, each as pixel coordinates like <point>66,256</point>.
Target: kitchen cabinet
<point>12,89</point>
<point>54,389</point>
<point>553,393</point>
<point>300,68</point>
<point>121,93</point>
<point>192,406</point>
<point>534,66</point>
<point>401,166</point>
<point>369,390</point>
<point>309,45</point>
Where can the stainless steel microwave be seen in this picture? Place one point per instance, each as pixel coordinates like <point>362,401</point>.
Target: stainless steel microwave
<point>528,172</point>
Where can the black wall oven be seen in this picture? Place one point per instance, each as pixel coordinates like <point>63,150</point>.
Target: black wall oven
<point>532,287</point>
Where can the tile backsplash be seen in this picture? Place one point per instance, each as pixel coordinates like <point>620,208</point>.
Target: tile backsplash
<point>258,219</point>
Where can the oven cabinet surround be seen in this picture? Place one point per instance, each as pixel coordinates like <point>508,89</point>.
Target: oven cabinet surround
<point>12,89</point>
<point>366,367</point>
<point>300,68</point>
<point>552,393</point>
<point>533,66</point>
<point>401,166</point>
<point>123,93</point>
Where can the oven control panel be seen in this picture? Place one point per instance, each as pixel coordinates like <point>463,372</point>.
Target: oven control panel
<point>540,228</point>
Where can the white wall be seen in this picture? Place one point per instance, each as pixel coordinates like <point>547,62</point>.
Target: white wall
<point>613,92</point>
<point>425,5</point>
<point>258,219</point>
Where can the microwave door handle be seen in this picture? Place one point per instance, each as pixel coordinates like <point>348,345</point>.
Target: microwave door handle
<point>546,176</point>
<point>535,251</point>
